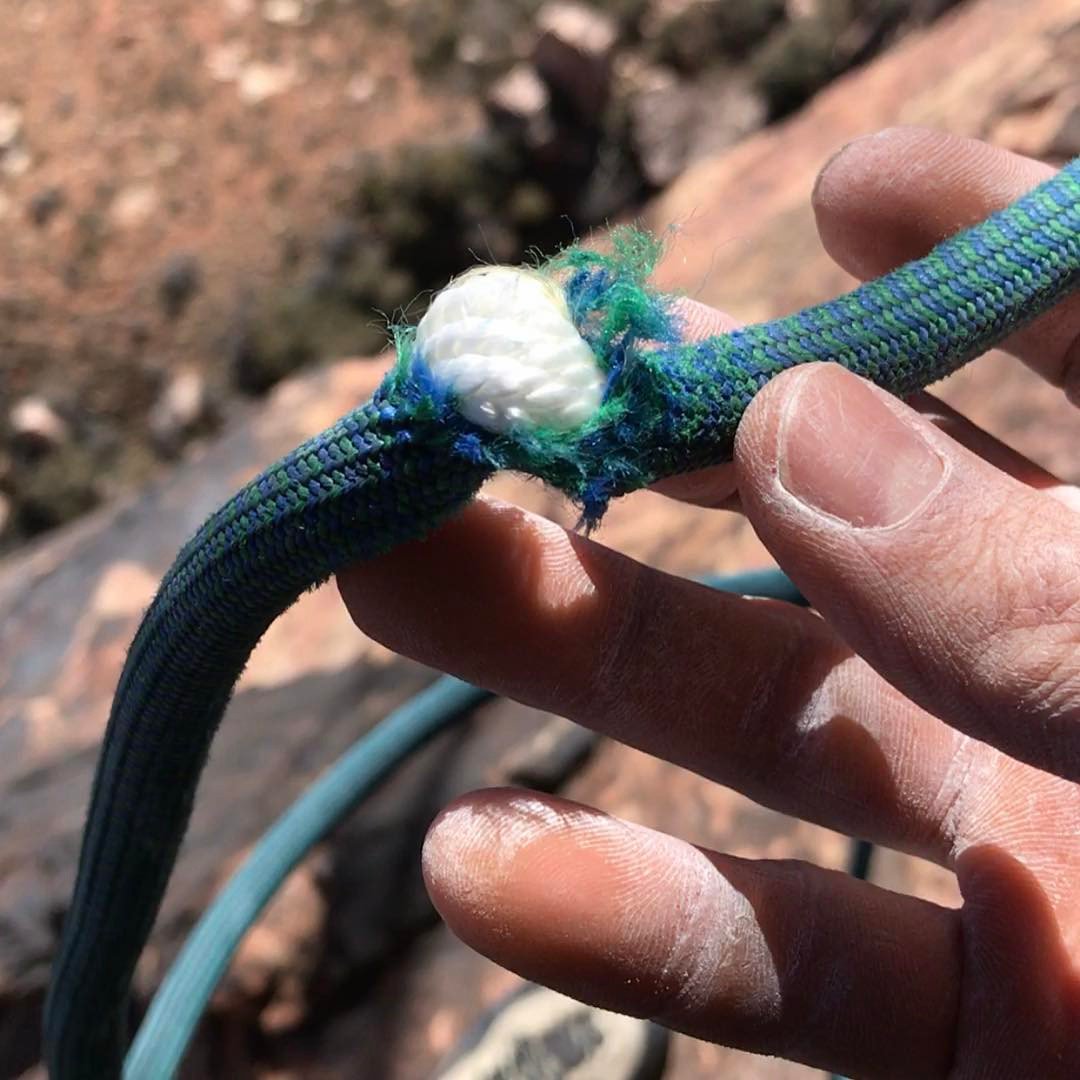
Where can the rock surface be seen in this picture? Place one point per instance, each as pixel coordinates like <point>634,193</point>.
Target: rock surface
<point>227,129</point>
<point>35,427</point>
<point>68,607</point>
<point>183,410</point>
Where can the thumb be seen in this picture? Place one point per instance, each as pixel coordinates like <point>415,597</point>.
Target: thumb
<point>957,582</point>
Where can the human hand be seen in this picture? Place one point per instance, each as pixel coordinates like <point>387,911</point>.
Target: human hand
<point>934,707</point>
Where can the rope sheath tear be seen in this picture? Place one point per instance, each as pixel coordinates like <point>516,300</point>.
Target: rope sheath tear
<point>397,466</point>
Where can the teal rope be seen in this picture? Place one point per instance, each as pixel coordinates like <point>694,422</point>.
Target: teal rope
<point>173,1016</point>
<point>174,1013</point>
<point>329,500</point>
<point>396,467</point>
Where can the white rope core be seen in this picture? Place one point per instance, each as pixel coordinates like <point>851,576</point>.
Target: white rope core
<point>501,338</point>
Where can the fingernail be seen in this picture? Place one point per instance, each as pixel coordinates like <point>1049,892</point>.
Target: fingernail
<point>832,159</point>
<point>844,452</point>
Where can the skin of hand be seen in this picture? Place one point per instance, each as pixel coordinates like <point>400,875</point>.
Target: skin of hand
<point>933,705</point>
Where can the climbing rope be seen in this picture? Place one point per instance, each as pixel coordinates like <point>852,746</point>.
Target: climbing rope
<point>397,466</point>
<point>174,1013</point>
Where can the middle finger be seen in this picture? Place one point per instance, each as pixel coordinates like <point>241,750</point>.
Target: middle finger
<point>760,696</point>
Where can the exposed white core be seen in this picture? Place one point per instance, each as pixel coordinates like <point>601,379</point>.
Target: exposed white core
<point>502,339</point>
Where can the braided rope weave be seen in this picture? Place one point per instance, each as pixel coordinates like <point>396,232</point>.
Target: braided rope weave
<point>400,464</point>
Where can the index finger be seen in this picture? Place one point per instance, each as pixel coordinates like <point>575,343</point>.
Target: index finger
<point>888,198</point>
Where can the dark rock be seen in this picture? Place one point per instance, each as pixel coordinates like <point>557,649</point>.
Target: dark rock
<point>389,290</point>
<point>574,54</point>
<point>339,242</point>
<point>65,106</point>
<point>56,488</point>
<point>520,104</point>
<point>492,241</point>
<point>138,333</point>
<point>292,250</point>
<point>421,206</point>
<point>180,279</point>
<point>271,344</point>
<point>674,122</point>
<point>551,757</point>
<point>529,205</point>
<point>476,37</point>
<point>295,325</point>
<point>629,14</point>
<point>825,38</point>
<point>796,62</point>
<point>44,205</point>
<point>613,184</point>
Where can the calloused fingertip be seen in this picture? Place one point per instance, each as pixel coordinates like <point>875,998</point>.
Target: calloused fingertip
<point>577,899</point>
<point>451,845</point>
<point>777,957</point>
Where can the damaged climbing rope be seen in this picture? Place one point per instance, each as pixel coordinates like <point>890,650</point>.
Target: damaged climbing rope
<point>577,374</point>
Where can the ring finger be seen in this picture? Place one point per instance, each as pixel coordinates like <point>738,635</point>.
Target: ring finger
<point>774,957</point>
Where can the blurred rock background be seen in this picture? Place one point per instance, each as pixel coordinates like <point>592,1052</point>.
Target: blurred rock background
<point>197,201</point>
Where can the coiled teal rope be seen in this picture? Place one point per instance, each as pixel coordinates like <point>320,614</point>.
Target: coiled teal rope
<point>174,1013</point>
<point>399,465</point>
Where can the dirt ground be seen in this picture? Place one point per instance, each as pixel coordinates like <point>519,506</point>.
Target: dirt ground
<point>159,164</point>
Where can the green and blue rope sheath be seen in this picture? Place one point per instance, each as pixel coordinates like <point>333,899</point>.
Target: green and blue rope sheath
<point>397,466</point>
